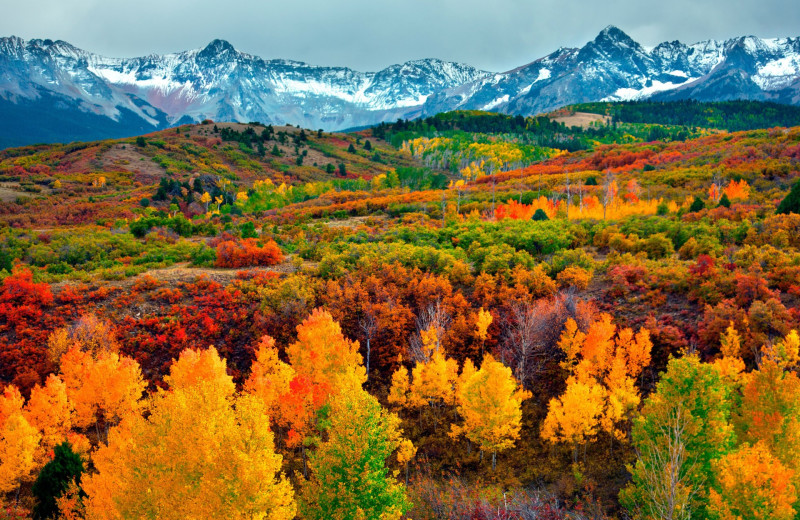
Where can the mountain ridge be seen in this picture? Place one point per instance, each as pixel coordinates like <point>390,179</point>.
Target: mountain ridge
<point>221,83</point>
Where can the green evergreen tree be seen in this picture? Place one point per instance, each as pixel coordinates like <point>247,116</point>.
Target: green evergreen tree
<point>539,214</point>
<point>342,169</point>
<point>791,203</point>
<point>329,168</point>
<point>351,148</point>
<point>724,201</point>
<point>54,479</point>
<point>275,151</point>
<point>697,205</point>
<point>248,230</point>
<point>367,145</point>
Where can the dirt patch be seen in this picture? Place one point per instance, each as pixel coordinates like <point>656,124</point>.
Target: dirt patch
<point>581,119</point>
<point>126,157</point>
<point>184,272</point>
<point>11,191</point>
<point>9,194</point>
<point>352,222</point>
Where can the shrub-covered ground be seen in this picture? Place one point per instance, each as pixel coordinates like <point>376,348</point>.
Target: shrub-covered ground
<point>636,282</point>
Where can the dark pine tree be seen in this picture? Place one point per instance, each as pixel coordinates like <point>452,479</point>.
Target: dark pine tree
<point>539,214</point>
<point>697,205</point>
<point>54,479</point>
<point>791,203</point>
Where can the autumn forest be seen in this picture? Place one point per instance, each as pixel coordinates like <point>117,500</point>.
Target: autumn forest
<point>588,314</point>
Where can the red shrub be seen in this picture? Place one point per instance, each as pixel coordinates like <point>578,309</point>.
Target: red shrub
<point>247,252</point>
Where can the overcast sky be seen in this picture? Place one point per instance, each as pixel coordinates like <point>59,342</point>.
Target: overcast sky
<point>370,34</point>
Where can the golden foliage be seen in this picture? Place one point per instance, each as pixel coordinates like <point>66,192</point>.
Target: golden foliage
<point>482,322</point>
<point>752,485</point>
<point>323,355</point>
<point>203,452</point>
<point>269,376</point>
<point>102,389</point>
<point>49,411</point>
<point>19,441</point>
<point>490,404</point>
<point>604,363</point>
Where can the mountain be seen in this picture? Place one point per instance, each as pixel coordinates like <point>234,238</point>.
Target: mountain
<point>613,67</point>
<point>44,84</point>
<point>53,91</point>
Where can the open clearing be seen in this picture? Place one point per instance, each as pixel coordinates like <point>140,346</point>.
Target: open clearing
<point>581,119</point>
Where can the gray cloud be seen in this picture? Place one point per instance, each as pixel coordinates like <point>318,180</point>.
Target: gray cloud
<point>371,34</point>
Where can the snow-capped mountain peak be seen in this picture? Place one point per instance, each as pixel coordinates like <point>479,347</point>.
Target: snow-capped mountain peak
<point>60,82</point>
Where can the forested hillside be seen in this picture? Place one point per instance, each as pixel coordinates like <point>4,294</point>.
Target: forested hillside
<point>724,115</point>
<point>463,317</point>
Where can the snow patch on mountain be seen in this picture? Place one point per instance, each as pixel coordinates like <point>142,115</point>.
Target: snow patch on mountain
<point>496,102</point>
<point>632,94</point>
<point>221,83</point>
<point>778,73</point>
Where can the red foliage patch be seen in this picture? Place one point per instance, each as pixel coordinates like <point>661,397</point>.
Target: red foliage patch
<point>247,252</point>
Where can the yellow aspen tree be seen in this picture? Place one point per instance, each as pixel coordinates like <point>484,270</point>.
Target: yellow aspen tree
<point>770,413</point>
<point>11,402</point>
<point>58,343</point>
<point>49,410</point>
<point>202,452</point>
<point>19,441</point>
<point>574,418</point>
<point>102,390</point>
<point>482,323</point>
<point>323,355</point>
<point>433,383</point>
<point>88,333</point>
<point>785,352</point>
<point>269,377</point>
<point>205,198</point>
<point>490,404</point>
<point>731,365</point>
<point>604,363</point>
<point>752,485</point>
<point>405,454</point>
<point>398,391</point>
